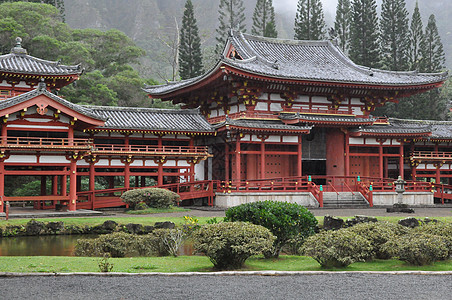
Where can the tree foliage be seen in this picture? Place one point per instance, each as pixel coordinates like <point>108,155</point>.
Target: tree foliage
<point>364,46</point>
<point>106,56</point>
<point>190,57</point>
<point>264,19</point>
<point>309,21</point>
<point>231,17</point>
<point>417,38</point>
<point>342,24</point>
<point>433,51</point>
<point>59,4</point>
<point>394,35</point>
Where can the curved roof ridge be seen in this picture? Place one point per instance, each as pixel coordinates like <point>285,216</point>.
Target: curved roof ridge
<point>422,122</point>
<point>144,109</point>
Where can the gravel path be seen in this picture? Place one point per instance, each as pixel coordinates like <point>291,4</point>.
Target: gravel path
<point>328,286</point>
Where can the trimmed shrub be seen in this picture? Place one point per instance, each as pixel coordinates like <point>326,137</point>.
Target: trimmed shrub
<point>285,220</point>
<point>419,248</point>
<point>117,244</point>
<point>378,234</point>
<point>228,245</point>
<point>152,197</point>
<point>336,249</point>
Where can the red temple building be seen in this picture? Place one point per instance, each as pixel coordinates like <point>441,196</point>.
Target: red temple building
<point>274,119</point>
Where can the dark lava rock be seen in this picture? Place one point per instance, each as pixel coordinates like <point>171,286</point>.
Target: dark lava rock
<point>34,227</point>
<point>332,223</point>
<point>167,225</point>
<point>360,219</point>
<point>409,222</point>
<point>107,227</point>
<point>148,229</point>
<point>134,228</point>
<point>55,226</point>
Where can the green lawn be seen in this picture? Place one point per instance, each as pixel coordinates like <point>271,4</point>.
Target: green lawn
<point>59,264</point>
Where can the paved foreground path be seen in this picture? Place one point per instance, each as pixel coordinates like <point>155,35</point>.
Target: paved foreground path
<point>324,286</point>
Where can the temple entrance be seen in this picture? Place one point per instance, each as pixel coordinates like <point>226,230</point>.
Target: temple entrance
<point>314,167</point>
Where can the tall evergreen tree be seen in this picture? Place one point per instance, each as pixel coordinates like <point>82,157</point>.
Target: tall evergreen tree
<point>342,24</point>
<point>190,58</point>
<point>364,47</point>
<point>416,40</point>
<point>232,16</point>
<point>394,35</point>
<point>309,21</point>
<point>264,19</point>
<point>432,52</point>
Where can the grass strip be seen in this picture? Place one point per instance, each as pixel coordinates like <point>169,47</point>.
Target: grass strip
<point>61,264</point>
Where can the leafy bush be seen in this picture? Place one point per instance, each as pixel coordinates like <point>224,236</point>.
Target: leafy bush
<point>228,245</point>
<point>378,234</point>
<point>117,244</point>
<point>285,220</point>
<point>419,248</point>
<point>152,197</point>
<point>336,249</point>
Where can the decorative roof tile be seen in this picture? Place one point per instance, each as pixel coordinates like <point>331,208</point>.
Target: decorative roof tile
<point>313,118</point>
<point>183,120</point>
<point>262,124</point>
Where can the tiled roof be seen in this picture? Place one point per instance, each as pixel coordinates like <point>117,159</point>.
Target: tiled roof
<point>41,90</point>
<point>18,61</point>
<point>318,61</point>
<point>308,118</point>
<point>262,124</point>
<point>439,129</point>
<point>184,120</point>
<point>314,60</point>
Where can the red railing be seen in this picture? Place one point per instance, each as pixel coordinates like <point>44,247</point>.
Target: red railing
<point>432,155</point>
<point>37,142</point>
<point>442,192</point>
<point>320,111</point>
<point>150,149</point>
<point>244,115</point>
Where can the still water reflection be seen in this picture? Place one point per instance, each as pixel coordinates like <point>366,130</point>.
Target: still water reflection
<point>52,245</point>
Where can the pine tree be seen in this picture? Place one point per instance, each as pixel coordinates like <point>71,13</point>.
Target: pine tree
<point>309,21</point>
<point>432,52</point>
<point>364,47</point>
<point>190,58</point>
<point>232,16</point>
<point>264,19</point>
<point>416,39</point>
<point>394,35</point>
<point>342,24</point>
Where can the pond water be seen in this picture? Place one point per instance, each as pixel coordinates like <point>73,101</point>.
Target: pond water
<point>53,245</point>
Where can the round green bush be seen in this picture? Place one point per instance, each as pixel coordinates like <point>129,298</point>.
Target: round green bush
<point>152,197</point>
<point>337,249</point>
<point>378,234</point>
<point>419,248</point>
<point>228,245</point>
<point>285,220</point>
<point>438,228</point>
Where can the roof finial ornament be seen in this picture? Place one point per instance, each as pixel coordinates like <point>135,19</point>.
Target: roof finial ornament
<point>42,86</point>
<point>18,47</point>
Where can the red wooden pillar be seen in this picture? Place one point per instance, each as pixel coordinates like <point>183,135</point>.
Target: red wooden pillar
<point>237,159</point>
<point>160,173</point>
<point>2,184</point>
<point>438,167</point>
<point>64,184</point>
<point>43,185</point>
<point>127,175</point>
<point>347,154</point>
<point>4,133</point>
<point>263,162</point>
<point>300,157</point>
<point>380,159</point>
<point>70,135</point>
<point>226,161</point>
<point>385,168</point>
<point>412,164</point>
<point>92,184</point>
<point>401,173</point>
<point>73,186</point>
<point>55,185</point>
